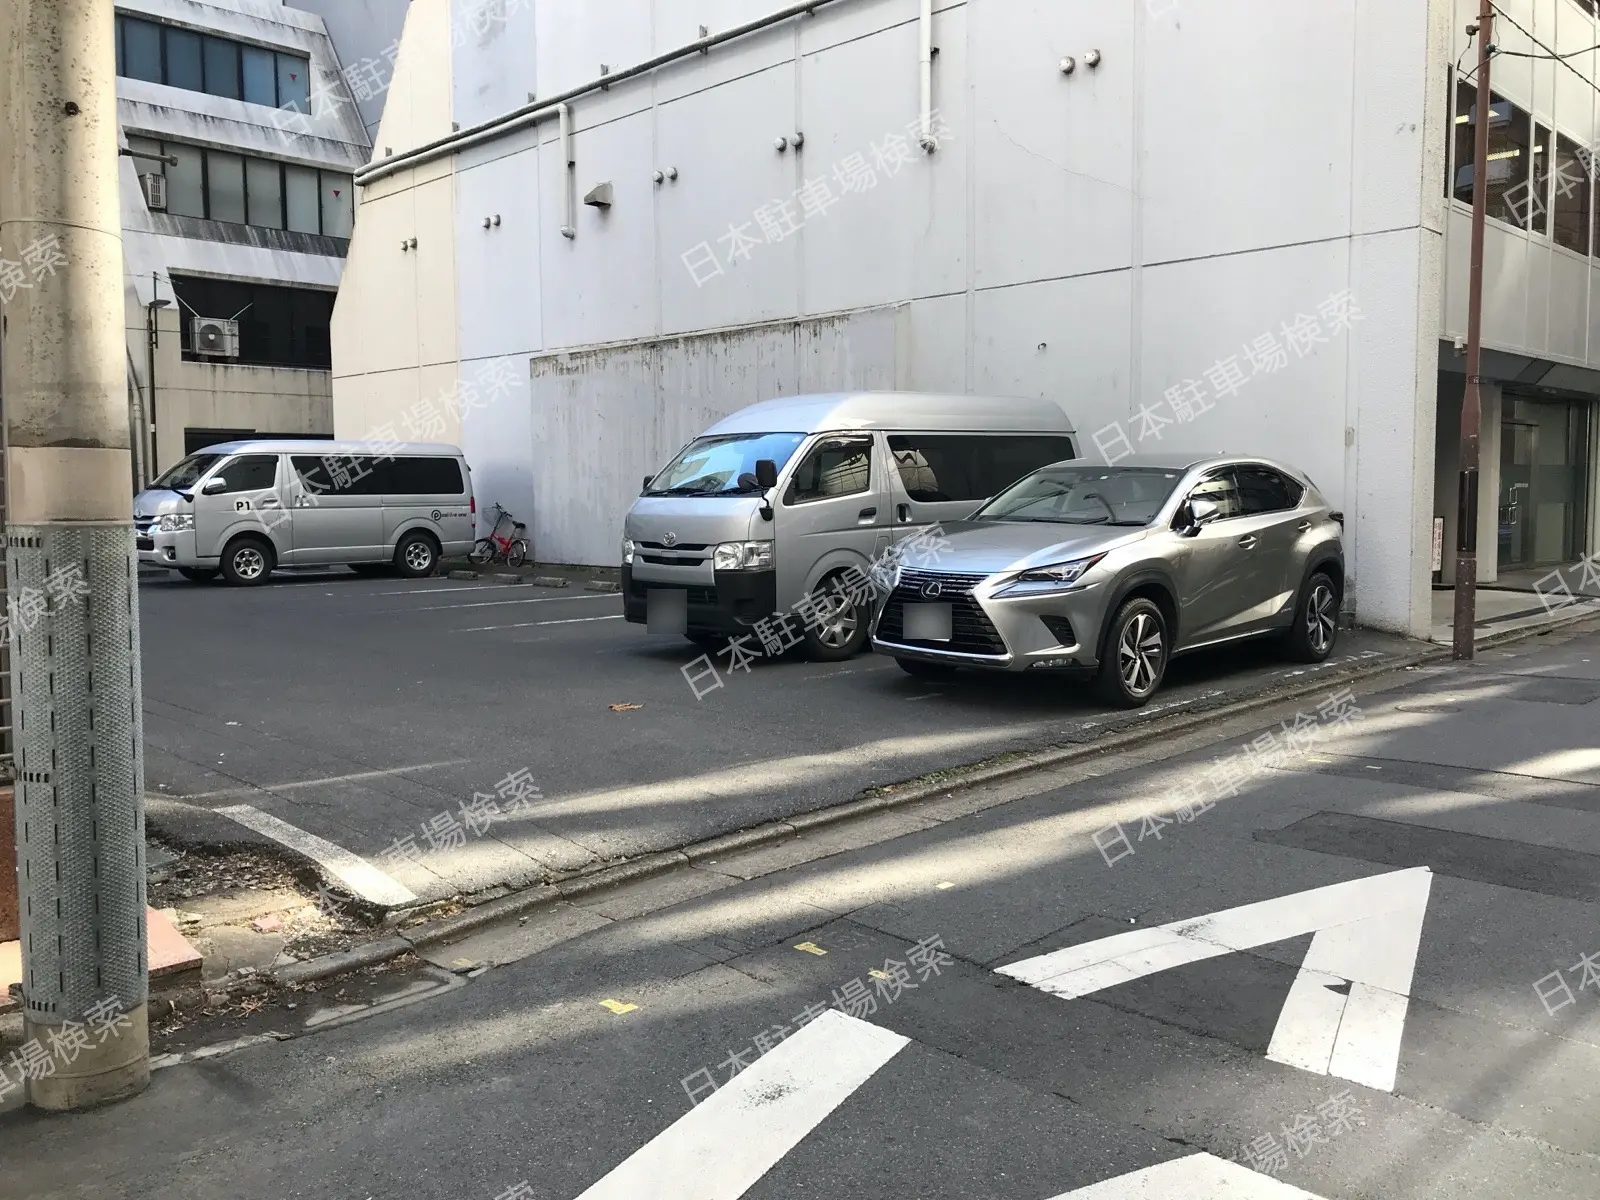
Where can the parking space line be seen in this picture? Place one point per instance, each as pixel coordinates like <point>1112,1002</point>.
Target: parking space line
<point>256,790</point>
<point>430,589</point>
<point>1189,1178</point>
<point>532,624</point>
<point>495,603</point>
<point>360,877</point>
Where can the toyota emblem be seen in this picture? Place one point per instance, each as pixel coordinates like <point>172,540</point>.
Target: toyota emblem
<point>671,539</point>
<point>933,589</point>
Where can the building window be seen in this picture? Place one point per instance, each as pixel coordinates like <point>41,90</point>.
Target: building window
<point>221,186</point>
<point>218,66</point>
<point>1570,228</point>
<point>1513,181</point>
<point>1538,203</point>
<point>278,326</point>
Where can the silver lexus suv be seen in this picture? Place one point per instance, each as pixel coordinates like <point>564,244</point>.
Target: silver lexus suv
<point>1108,571</point>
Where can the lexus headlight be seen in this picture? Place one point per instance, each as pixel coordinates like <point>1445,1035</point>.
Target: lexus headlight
<point>627,551</point>
<point>176,522</point>
<point>1051,578</point>
<point>742,556</point>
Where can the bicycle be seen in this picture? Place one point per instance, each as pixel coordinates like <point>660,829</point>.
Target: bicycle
<point>513,550</point>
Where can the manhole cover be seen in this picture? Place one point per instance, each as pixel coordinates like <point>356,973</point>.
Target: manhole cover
<point>1442,709</point>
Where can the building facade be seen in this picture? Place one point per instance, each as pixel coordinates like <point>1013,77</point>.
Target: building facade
<point>1196,226</point>
<point>240,135</point>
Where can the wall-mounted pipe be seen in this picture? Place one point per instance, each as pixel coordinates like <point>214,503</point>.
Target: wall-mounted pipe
<point>534,112</point>
<point>569,228</point>
<point>925,137</point>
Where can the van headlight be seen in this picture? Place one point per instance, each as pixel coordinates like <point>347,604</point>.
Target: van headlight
<point>627,551</point>
<point>175,522</point>
<point>742,556</point>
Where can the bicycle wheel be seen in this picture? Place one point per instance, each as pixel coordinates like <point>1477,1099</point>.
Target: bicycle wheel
<point>482,551</point>
<point>518,553</point>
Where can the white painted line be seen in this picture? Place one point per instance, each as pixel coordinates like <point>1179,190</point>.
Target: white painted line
<point>718,1150</point>
<point>447,587</point>
<point>305,783</point>
<point>499,603</point>
<point>1195,1177</point>
<point>532,624</point>
<point>1345,1013</point>
<point>359,876</point>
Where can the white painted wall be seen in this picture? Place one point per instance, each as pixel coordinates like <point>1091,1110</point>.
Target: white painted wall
<point>1098,237</point>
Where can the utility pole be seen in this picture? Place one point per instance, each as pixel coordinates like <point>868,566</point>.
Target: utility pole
<point>1464,643</point>
<point>70,561</point>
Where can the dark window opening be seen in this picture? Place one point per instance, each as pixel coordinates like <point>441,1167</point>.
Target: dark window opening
<point>244,190</point>
<point>1263,490</point>
<point>249,473</point>
<point>1570,225</point>
<point>278,326</point>
<point>840,466</point>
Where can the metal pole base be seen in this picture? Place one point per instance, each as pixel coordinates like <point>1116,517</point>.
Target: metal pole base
<point>1464,642</point>
<point>97,1073</point>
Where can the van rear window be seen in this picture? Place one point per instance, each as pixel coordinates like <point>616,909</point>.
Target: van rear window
<point>366,475</point>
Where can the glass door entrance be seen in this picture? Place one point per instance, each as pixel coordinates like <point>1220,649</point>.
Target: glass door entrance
<point>1544,474</point>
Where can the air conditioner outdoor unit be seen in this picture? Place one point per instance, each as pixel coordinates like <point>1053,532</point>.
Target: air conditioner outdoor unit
<point>214,337</point>
<point>155,191</point>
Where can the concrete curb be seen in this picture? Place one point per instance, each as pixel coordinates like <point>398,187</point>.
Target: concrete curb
<point>891,796</point>
<point>550,581</point>
<point>602,585</point>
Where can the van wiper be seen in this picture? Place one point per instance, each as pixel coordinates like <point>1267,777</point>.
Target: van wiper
<point>687,489</point>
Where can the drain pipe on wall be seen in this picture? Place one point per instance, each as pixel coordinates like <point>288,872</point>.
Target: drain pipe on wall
<point>925,35</point>
<point>570,229</point>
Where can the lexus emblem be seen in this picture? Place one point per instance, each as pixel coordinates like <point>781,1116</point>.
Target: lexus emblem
<point>933,589</point>
<point>671,539</point>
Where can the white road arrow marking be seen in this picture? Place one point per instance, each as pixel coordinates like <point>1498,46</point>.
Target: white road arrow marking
<point>718,1150</point>
<point>1346,1011</point>
<point>1196,1177</point>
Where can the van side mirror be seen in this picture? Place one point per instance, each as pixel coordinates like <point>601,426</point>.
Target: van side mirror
<point>645,486</point>
<point>213,485</point>
<point>766,474</point>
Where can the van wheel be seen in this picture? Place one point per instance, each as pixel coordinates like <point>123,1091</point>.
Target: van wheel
<point>926,671</point>
<point>1135,655</point>
<point>417,555</point>
<point>1316,621</point>
<point>248,561</point>
<point>199,574</point>
<point>840,628</point>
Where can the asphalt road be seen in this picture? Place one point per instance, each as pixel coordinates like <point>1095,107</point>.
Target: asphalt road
<point>1425,1030</point>
<point>366,712</point>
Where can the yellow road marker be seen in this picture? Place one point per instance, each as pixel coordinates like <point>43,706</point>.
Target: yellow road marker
<point>810,948</point>
<point>876,974</point>
<point>945,884</point>
<point>618,1006</point>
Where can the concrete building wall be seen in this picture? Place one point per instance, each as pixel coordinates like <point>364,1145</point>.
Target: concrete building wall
<point>1113,238</point>
<point>365,35</point>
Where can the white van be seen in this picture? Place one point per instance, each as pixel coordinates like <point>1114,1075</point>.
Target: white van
<point>240,509</point>
<point>780,500</point>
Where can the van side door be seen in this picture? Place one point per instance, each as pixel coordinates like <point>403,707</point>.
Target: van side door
<point>427,491</point>
<point>337,512</point>
<point>834,500</point>
<point>248,500</point>
<point>938,478</point>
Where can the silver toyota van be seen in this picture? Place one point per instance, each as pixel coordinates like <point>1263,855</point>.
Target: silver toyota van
<point>241,509</point>
<point>786,501</point>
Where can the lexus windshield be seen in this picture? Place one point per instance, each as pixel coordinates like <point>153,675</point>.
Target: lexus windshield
<point>1079,495</point>
<point>186,474</point>
<point>723,465</point>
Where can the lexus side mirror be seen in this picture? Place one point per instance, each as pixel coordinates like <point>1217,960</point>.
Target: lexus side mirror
<point>1201,512</point>
<point>213,485</point>
<point>766,474</point>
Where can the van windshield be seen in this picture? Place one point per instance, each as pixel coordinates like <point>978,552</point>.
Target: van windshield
<point>723,465</point>
<point>187,473</point>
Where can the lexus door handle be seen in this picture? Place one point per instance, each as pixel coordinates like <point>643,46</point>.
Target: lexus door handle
<point>866,514</point>
<point>1248,541</point>
<point>1303,526</point>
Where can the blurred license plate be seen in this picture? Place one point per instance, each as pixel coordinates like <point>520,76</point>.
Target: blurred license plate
<point>927,623</point>
<point>667,610</point>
